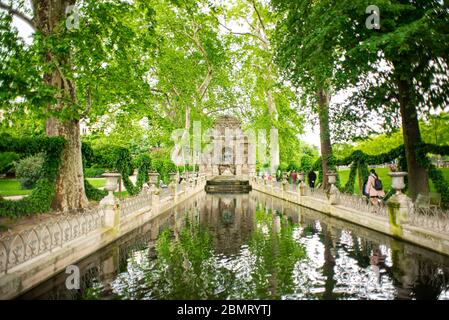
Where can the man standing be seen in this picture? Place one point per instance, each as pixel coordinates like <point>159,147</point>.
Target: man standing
<point>312,178</point>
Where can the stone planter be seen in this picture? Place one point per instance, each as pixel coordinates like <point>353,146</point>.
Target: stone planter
<point>399,204</point>
<point>153,178</point>
<point>112,180</point>
<point>332,178</point>
<point>333,191</point>
<point>397,181</point>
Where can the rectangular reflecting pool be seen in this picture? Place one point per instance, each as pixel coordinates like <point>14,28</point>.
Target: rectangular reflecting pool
<point>253,247</point>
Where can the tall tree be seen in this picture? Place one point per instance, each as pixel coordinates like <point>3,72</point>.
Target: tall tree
<point>308,59</point>
<point>264,99</point>
<point>399,68</point>
<point>191,75</point>
<point>68,63</point>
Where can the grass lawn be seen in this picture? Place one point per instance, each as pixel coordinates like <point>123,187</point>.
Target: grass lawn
<point>11,187</point>
<point>97,182</point>
<point>383,175</point>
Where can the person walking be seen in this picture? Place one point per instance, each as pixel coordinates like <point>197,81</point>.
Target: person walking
<point>294,177</point>
<point>312,178</point>
<point>374,189</point>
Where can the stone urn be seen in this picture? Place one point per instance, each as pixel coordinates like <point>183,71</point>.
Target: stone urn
<point>112,180</point>
<point>153,177</point>
<point>332,178</point>
<point>399,204</point>
<point>333,191</point>
<point>397,181</point>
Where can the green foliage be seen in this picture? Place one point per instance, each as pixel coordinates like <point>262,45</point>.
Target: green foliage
<point>93,193</point>
<point>7,162</point>
<point>349,186</point>
<point>360,161</point>
<point>123,163</point>
<point>306,163</point>
<point>161,163</point>
<point>29,170</point>
<point>93,172</point>
<point>276,252</point>
<point>39,201</point>
<point>437,177</point>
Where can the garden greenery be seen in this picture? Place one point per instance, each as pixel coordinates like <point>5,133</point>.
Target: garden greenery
<point>39,201</point>
<point>359,162</point>
<point>29,170</point>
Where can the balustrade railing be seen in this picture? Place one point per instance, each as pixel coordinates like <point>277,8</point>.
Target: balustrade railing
<point>19,248</point>
<point>431,219</point>
<point>316,193</point>
<point>134,204</point>
<point>362,204</point>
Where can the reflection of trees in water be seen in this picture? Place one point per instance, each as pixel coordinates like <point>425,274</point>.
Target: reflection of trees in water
<point>276,253</point>
<point>329,265</point>
<point>264,266</point>
<point>413,276</point>
<point>416,277</point>
<point>188,268</point>
<point>430,282</point>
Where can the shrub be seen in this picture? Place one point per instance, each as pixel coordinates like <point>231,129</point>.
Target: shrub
<point>39,201</point>
<point>29,170</point>
<point>7,162</point>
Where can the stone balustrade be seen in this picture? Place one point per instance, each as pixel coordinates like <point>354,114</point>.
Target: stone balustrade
<point>397,217</point>
<point>32,256</point>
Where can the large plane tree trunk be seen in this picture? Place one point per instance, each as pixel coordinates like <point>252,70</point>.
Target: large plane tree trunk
<point>417,175</point>
<point>70,195</point>
<point>325,136</point>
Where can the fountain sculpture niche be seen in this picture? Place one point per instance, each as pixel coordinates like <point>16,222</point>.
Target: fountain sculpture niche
<point>232,166</point>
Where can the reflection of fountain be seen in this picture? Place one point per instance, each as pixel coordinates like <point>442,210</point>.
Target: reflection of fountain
<point>229,220</point>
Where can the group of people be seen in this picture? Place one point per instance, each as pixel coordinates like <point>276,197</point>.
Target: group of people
<point>311,177</point>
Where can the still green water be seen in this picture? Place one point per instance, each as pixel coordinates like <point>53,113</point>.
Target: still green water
<point>254,247</point>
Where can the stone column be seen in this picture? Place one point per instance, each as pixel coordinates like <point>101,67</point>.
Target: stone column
<point>173,186</point>
<point>333,192</point>
<point>155,199</point>
<point>238,170</point>
<point>110,204</point>
<point>284,187</point>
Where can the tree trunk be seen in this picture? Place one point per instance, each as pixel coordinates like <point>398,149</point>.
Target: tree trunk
<point>417,175</point>
<point>70,194</point>
<point>325,137</point>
